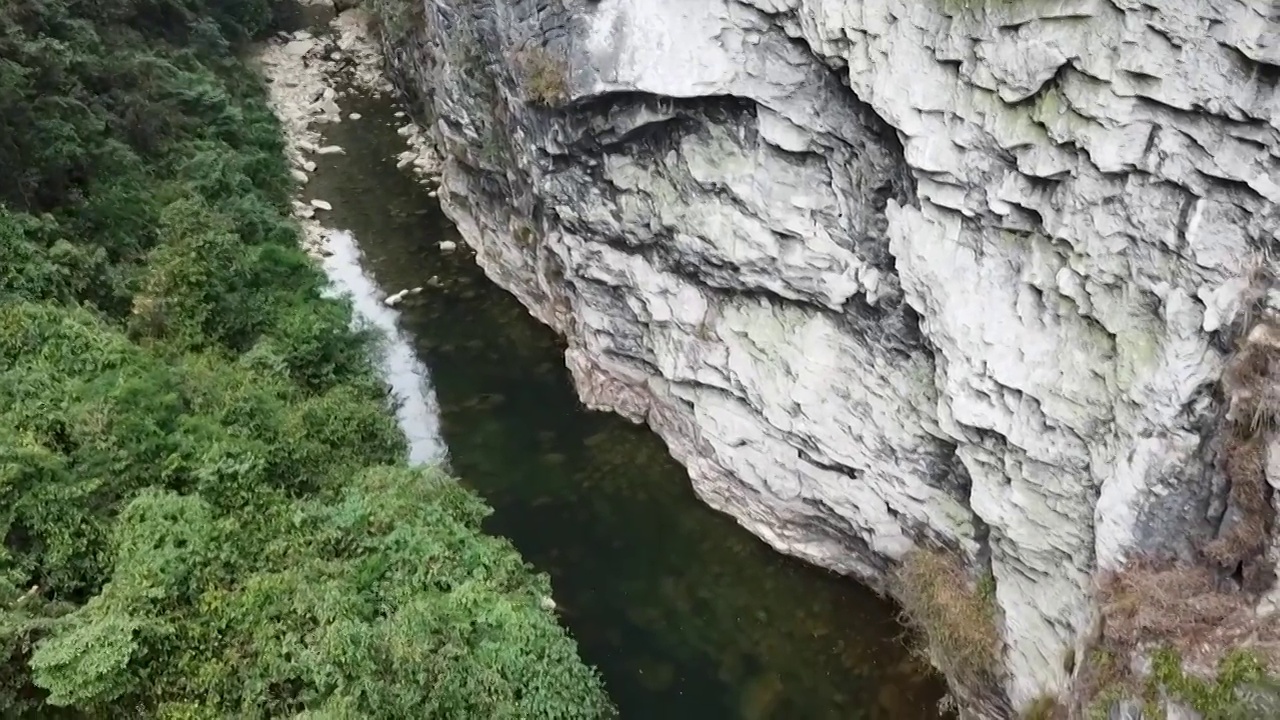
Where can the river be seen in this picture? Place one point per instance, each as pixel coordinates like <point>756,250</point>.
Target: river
<point>687,615</point>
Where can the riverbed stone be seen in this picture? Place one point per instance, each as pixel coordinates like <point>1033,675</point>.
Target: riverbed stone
<point>887,274</point>
<point>300,47</point>
<point>328,108</point>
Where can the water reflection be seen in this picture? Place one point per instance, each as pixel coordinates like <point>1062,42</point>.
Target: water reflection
<point>686,614</point>
<point>411,389</point>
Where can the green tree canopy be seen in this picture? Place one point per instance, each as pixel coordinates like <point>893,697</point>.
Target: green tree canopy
<point>204,506</point>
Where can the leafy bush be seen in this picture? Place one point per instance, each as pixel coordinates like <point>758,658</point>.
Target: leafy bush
<point>203,502</point>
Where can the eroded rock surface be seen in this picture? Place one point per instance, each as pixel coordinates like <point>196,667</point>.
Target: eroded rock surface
<point>885,273</point>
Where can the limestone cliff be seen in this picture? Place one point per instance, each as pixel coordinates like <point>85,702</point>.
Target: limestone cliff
<point>887,274</point>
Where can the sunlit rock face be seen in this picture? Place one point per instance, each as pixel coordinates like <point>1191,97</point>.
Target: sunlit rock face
<point>885,273</point>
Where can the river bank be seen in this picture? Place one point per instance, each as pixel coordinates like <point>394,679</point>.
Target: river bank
<point>303,74</point>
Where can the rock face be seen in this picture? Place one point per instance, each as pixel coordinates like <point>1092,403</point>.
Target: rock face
<point>885,273</point>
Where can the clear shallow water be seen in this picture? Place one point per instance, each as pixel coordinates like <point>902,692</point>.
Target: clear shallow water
<point>686,615</point>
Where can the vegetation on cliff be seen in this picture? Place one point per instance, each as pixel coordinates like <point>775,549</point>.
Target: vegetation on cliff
<point>1212,644</point>
<point>955,618</point>
<point>203,503</point>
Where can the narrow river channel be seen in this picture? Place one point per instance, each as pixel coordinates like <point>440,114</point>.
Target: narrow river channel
<point>686,615</point>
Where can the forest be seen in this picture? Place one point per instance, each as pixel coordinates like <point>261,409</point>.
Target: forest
<point>204,502</point>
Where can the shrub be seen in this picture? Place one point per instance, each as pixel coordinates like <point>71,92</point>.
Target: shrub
<point>545,77</point>
<point>1159,603</point>
<point>1243,539</point>
<point>1182,614</point>
<point>1251,384</point>
<point>1045,707</point>
<point>955,618</point>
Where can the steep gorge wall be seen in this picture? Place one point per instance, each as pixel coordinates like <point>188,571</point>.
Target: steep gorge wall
<point>886,274</point>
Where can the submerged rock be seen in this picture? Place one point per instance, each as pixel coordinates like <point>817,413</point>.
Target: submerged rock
<point>399,297</point>
<point>328,108</point>
<point>330,150</point>
<point>300,47</point>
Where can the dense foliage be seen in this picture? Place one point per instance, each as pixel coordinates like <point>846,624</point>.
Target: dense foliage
<point>203,504</point>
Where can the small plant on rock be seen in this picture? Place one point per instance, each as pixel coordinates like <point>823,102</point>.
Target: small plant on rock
<point>1045,707</point>
<point>1241,690</point>
<point>1251,385</point>
<point>1182,613</point>
<point>954,614</point>
<point>545,77</point>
